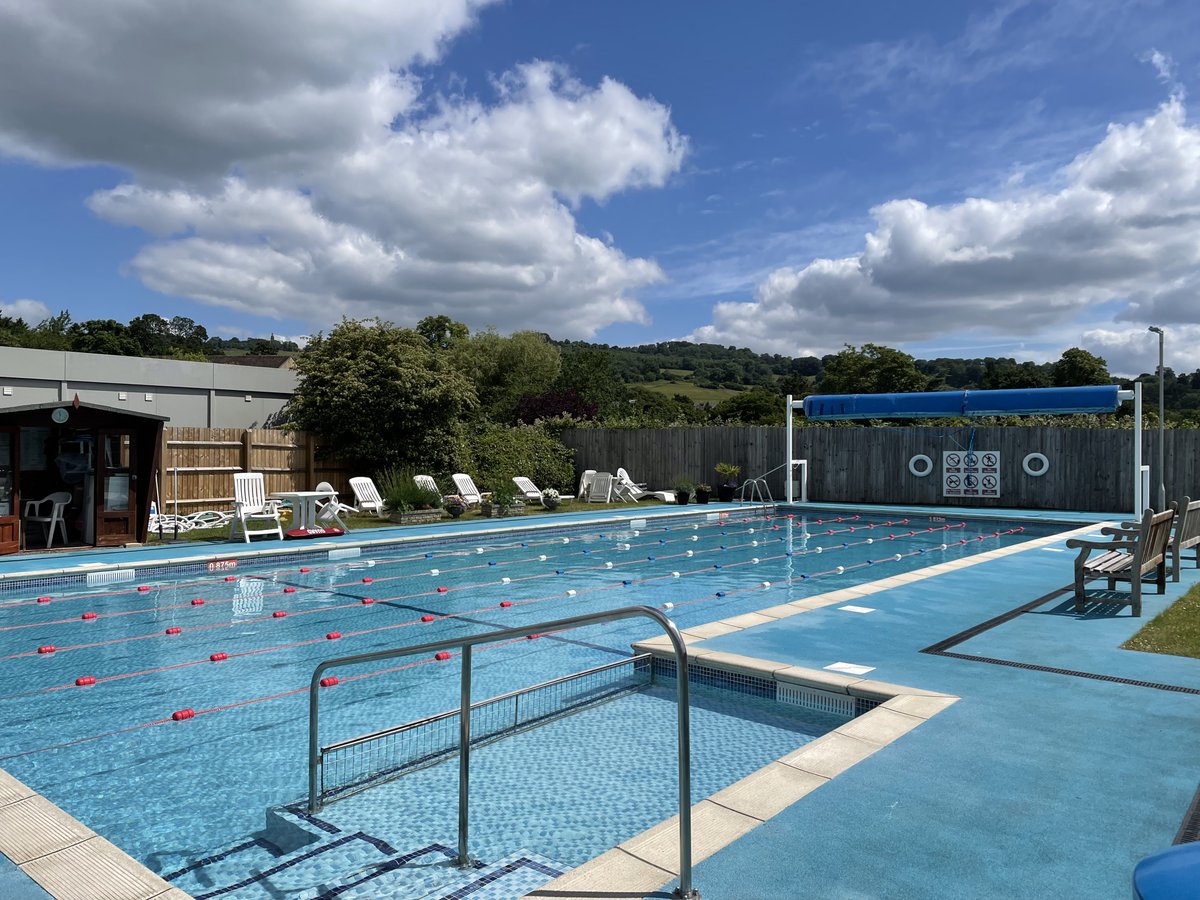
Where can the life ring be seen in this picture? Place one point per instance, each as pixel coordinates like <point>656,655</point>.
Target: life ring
<point>920,459</point>
<point>1032,458</point>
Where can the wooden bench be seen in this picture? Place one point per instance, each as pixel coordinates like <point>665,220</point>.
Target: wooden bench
<point>1129,556</point>
<point>1187,535</point>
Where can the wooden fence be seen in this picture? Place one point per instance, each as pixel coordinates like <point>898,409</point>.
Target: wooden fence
<point>198,465</point>
<point>1089,468</point>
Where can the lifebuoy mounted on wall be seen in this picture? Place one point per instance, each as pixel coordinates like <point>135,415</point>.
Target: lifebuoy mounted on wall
<point>920,465</point>
<point>1035,464</point>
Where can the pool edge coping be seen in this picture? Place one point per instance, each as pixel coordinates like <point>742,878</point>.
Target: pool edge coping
<point>64,857</point>
<point>649,860</point>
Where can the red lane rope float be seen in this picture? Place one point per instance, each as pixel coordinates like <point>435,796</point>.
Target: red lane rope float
<point>329,681</point>
<point>426,618</point>
<point>45,648</point>
<point>87,616</point>
<point>44,599</point>
<point>198,602</point>
<point>174,629</point>
<point>333,635</point>
<point>279,614</point>
<point>180,714</point>
<point>442,655</point>
<point>215,657</point>
<point>84,680</point>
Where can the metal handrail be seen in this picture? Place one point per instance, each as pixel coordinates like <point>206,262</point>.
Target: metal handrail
<point>465,644</point>
<point>757,486</point>
<point>480,704</point>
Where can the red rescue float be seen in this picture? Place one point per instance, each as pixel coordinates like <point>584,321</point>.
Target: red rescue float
<point>278,614</point>
<point>84,680</point>
<point>180,714</point>
<point>47,648</point>
<point>426,618</point>
<point>88,615</point>
<point>329,681</point>
<point>333,635</point>
<point>217,657</point>
<point>442,655</point>
<point>174,629</point>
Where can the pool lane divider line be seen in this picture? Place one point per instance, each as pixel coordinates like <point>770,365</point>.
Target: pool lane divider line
<point>333,589</point>
<point>465,615</point>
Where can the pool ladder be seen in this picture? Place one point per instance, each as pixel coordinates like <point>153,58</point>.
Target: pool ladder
<point>685,891</point>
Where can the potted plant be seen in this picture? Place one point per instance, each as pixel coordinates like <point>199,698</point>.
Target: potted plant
<point>728,483</point>
<point>455,505</point>
<point>683,490</point>
<point>502,502</point>
<point>703,493</point>
<point>551,498</point>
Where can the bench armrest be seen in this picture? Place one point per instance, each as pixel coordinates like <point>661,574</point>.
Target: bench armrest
<point>1083,544</point>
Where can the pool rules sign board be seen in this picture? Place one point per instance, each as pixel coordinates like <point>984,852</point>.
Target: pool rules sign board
<point>971,473</point>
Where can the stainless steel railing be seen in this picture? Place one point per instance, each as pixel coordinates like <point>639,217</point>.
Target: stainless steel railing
<point>357,763</point>
<point>464,645</point>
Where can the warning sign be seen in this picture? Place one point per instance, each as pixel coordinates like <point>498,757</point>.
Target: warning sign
<point>974,473</point>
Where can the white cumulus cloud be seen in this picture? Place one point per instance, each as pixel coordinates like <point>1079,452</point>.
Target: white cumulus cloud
<point>289,164</point>
<point>30,311</point>
<point>1120,226</point>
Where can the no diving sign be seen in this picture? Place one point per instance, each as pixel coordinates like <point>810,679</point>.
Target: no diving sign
<point>971,473</point>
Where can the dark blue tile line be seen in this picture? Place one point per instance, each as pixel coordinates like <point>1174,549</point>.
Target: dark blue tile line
<point>391,865</point>
<point>301,813</point>
<point>275,870</point>
<point>209,860</point>
<point>523,863</point>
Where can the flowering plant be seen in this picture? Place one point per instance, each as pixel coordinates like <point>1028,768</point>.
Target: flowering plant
<point>454,504</point>
<point>551,498</point>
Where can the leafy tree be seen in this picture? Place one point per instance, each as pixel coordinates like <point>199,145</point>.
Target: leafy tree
<point>500,452</point>
<point>103,336</point>
<point>1007,374</point>
<point>589,372</point>
<point>553,404</point>
<point>378,396</point>
<point>441,332</point>
<point>14,331</point>
<point>505,369</point>
<point>1078,367</point>
<point>755,407</point>
<point>152,333</point>
<point>189,337</point>
<point>874,369</point>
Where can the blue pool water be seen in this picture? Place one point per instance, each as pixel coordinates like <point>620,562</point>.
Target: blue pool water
<point>175,792</point>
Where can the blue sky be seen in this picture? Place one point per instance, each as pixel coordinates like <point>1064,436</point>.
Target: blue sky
<point>951,178</point>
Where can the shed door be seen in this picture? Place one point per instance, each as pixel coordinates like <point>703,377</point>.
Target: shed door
<point>116,506</point>
<point>10,522</point>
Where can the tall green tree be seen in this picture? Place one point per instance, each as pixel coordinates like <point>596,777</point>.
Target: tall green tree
<point>506,369</point>
<point>874,369</point>
<point>1004,373</point>
<point>1077,367</point>
<point>378,396</point>
<point>588,370</point>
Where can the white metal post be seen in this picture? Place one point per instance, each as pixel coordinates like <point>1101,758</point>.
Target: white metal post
<point>787,436</point>
<point>1139,502</point>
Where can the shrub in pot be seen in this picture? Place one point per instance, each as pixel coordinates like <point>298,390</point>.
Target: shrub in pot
<point>703,493</point>
<point>683,490</point>
<point>728,483</point>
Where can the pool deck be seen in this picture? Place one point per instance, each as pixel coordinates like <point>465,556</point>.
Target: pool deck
<point>1065,761</point>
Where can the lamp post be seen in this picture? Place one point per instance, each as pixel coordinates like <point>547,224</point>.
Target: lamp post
<point>1162,488</point>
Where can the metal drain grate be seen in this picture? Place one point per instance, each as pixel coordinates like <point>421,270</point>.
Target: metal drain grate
<point>1189,831</point>
<point>111,577</point>
<point>1157,685</point>
<point>821,701</point>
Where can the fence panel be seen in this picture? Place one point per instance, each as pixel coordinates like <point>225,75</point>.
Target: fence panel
<point>1089,468</point>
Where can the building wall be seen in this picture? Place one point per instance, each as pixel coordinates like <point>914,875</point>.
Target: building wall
<point>191,394</point>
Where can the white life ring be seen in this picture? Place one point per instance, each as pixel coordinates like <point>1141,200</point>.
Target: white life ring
<point>924,462</point>
<point>1035,458</point>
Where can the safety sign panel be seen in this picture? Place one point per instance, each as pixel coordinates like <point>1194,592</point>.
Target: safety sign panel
<point>971,473</point>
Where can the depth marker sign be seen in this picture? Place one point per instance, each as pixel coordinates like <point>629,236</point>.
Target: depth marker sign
<point>971,473</point>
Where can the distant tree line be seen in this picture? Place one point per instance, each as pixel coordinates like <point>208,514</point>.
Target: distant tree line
<point>149,335</point>
<point>527,377</point>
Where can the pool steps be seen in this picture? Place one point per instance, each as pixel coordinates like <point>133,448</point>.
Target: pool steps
<point>322,860</point>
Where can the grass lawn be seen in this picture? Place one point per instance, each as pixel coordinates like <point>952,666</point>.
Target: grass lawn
<point>693,392</point>
<point>365,523</point>
<point>1175,630</point>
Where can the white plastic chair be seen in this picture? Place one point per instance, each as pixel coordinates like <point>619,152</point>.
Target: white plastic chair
<point>600,490</point>
<point>250,504</point>
<point>331,507</point>
<point>585,483</point>
<point>466,489</point>
<point>34,513</point>
<point>528,490</point>
<point>427,482</point>
<point>366,496</point>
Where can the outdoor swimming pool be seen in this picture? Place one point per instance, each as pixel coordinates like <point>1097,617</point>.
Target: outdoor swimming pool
<point>177,793</point>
